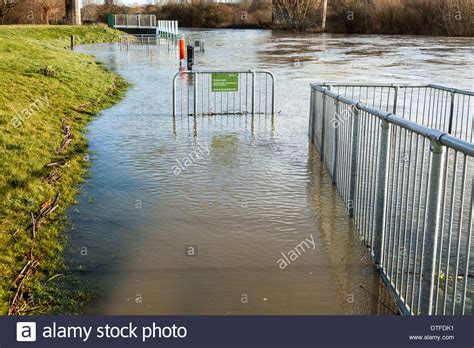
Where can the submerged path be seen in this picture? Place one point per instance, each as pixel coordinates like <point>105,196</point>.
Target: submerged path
<point>220,235</point>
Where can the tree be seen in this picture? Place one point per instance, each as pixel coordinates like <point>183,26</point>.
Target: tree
<point>110,6</point>
<point>48,6</point>
<point>295,14</point>
<point>6,6</point>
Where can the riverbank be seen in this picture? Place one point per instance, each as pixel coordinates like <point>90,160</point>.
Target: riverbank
<point>48,94</point>
<point>395,17</point>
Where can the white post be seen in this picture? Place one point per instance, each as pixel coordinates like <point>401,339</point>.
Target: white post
<point>325,11</point>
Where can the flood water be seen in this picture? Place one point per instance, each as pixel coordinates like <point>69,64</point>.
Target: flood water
<point>209,240</point>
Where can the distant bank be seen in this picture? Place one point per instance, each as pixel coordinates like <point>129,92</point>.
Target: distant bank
<point>402,17</point>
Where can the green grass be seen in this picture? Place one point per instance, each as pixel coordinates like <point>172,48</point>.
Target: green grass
<point>46,84</point>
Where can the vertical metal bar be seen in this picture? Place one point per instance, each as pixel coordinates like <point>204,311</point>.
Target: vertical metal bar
<point>195,92</point>
<point>316,96</point>
<point>449,224</point>
<point>253,92</point>
<point>354,144</point>
<point>459,232</point>
<point>451,113</point>
<point>405,214</point>
<point>323,128</point>
<point>467,253</point>
<point>432,225</point>
<point>420,225</point>
<point>382,190</point>
<point>174,94</point>
<point>336,125</point>
<point>273,94</point>
<point>311,116</point>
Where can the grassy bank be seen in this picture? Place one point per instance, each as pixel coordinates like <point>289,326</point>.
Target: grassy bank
<point>47,96</point>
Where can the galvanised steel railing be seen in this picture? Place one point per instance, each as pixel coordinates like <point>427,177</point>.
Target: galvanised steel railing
<point>401,157</point>
<point>135,21</point>
<point>148,41</point>
<point>211,93</point>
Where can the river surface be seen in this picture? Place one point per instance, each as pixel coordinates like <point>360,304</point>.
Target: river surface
<point>210,240</point>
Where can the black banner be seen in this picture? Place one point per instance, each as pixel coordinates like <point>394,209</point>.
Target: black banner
<point>236,331</point>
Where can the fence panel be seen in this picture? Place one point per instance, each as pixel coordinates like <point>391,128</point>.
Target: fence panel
<point>134,20</point>
<point>209,93</point>
<point>407,180</point>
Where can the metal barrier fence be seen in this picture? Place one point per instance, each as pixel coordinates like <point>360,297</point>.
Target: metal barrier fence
<point>401,157</point>
<point>148,40</point>
<point>134,21</point>
<point>167,29</point>
<point>209,93</point>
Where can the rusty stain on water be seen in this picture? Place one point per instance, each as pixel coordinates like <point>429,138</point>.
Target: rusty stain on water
<point>207,239</point>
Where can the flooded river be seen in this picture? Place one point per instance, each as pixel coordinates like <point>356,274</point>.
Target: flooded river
<point>211,239</point>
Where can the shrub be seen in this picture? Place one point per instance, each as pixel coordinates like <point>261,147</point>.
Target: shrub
<point>430,17</point>
<point>48,71</point>
<point>210,15</point>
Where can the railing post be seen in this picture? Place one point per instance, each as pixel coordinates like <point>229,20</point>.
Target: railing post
<point>467,252</point>
<point>323,128</point>
<point>336,125</point>
<point>273,86</point>
<point>432,225</point>
<point>174,94</point>
<point>451,113</point>
<point>311,113</point>
<point>395,100</point>
<point>382,189</point>
<point>315,117</point>
<point>195,93</point>
<point>254,75</point>
<point>354,146</point>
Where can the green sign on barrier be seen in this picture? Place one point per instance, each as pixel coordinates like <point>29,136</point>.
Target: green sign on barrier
<point>225,82</point>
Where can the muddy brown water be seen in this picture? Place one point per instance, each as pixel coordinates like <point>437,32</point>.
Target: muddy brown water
<point>210,240</point>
